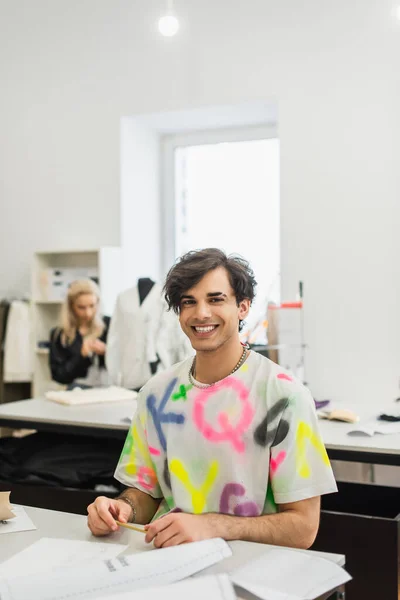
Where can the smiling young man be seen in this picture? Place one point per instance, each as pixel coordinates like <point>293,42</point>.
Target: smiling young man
<point>225,444</point>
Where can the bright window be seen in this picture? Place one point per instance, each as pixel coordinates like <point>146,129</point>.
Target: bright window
<point>226,195</point>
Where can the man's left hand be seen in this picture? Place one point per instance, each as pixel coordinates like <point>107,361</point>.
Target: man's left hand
<point>179,528</point>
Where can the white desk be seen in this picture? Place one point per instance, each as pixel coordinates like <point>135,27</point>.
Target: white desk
<point>104,419</point>
<point>378,449</point>
<point>55,524</point>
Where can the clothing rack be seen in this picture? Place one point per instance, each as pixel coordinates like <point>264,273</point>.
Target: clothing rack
<point>9,391</point>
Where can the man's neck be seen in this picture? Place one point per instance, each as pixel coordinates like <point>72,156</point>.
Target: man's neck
<point>215,365</point>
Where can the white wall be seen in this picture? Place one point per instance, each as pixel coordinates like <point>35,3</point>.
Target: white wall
<point>140,215</point>
<point>70,70</point>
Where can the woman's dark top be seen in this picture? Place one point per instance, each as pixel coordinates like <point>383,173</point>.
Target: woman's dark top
<point>67,362</point>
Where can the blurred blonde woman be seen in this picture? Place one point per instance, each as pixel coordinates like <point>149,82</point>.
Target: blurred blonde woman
<point>78,345</point>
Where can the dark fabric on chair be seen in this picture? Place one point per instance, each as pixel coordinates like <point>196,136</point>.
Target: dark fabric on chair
<point>59,460</point>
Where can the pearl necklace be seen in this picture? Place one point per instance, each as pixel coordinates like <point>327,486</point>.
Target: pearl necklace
<point>207,385</point>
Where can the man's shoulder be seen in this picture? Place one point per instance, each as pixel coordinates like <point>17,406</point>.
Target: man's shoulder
<point>266,369</point>
<point>282,383</point>
<point>159,382</point>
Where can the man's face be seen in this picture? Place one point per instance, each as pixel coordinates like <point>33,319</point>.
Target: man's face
<point>209,314</point>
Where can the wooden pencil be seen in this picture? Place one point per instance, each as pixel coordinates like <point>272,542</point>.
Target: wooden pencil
<point>130,526</point>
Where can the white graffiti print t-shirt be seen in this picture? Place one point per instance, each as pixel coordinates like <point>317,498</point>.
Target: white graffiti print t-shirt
<point>239,447</point>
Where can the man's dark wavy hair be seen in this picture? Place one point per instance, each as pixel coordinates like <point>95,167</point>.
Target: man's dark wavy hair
<point>190,268</point>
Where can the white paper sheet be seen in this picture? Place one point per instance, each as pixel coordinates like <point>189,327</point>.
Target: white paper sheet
<point>78,396</point>
<point>282,574</point>
<point>121,574</point>
<point>54,553</point>
<point>214,587</point>
<point>21,522</point>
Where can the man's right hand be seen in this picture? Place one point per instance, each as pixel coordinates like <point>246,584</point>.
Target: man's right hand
<point>103,512</point>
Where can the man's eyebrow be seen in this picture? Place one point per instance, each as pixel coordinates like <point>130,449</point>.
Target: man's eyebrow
<point>209,295</point>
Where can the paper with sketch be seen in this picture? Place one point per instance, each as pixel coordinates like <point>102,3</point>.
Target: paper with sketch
<point>5,507</point>
<point>117,575</point>
<point>215,587</point>
<point>21,522</point>
<point>53,553</point>
<point>282,574</point>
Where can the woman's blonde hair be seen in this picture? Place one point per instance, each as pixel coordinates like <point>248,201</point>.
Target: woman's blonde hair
<point>69,324</point>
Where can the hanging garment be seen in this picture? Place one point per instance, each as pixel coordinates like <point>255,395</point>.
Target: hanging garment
<point>4,309</point>
<point>18,354</point>
<point>142,334</point>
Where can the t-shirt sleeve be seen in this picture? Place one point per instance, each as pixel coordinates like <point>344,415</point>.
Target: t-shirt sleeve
<point>299,464</point>
<point>135,467</point>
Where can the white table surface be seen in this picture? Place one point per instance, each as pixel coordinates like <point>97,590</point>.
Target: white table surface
<point>109,416</point>
<point>54,524</point>
<point>336,437</point>
<point>106,415</point>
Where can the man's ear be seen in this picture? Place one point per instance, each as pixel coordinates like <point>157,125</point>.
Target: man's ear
<point>244,307</point>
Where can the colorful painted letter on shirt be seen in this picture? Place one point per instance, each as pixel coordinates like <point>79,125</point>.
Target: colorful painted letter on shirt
<point>228,507</point>
<point>304,432</point>
<point>198,495</point>
<point>160,417</point>
<point>134,445</point>
<point>227,432</point>
<point>182,393</point>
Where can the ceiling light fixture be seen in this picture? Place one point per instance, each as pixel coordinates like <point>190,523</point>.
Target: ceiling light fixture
<point>168,25</point>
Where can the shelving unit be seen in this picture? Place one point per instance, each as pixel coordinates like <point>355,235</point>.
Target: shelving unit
<point>42,351</point>
<point>284,325</point>
<point>286,336</point>
<point>102,264</point>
